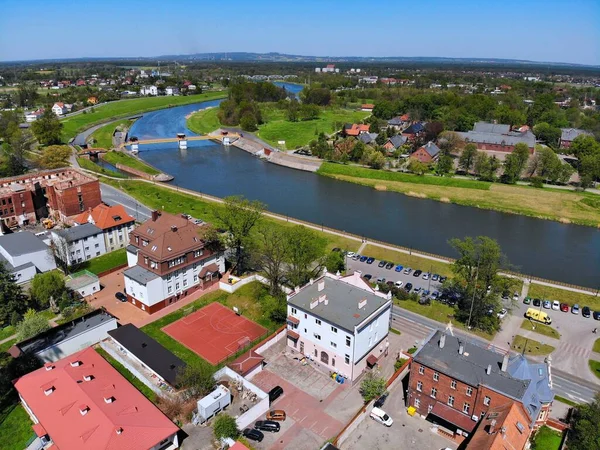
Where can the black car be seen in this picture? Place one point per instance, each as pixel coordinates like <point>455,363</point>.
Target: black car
<point>363,259</point>
<point>390,265</point>
<point>442,279</point>
<point>380,401</point>
<point>408,287</point>
<point>275,393</point>
<point>537,302</point>
<point>337,249</point>
<point>370,260</point>
<point>381,264</point>
<point>596,315</point>
<point>121,297</point>
<point>585,311</point>
<point>253,434</point>
<point>267,425</point>
<point>417,273</point>
<point>367,276</point>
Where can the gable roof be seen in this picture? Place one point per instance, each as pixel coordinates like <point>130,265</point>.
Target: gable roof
<point>431,148</point>
<point>22,243</point>
<point>414,128</point>
<point>569,134</point>
<point>79,232</point>
<point>486,127</point>
<point>498,134</point>
<point>367,138</point>
<point>398,140</point>
<point>395,121</point>
<point>504,426</point>
<point>141,424</point>
<point>356,129</point>
<point>149,352</point>
<point>105,217</point>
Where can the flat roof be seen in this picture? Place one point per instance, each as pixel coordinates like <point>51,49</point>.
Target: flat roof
<point>81,279</point>
<point>140,274</point>
<point>22,243</point>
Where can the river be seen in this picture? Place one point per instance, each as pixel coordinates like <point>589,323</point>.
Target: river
<point>562,252</point>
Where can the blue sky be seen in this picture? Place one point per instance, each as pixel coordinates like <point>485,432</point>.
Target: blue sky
<point>550,30</point>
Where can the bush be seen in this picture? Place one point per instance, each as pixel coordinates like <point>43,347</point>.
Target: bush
<point>412,350</point>
<point>33,324</point>
<point>225,427</point>
<point>399,363</point>
<point>372,387</point>
<point>537,182</point>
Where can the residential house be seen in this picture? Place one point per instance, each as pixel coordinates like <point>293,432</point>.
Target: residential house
<point>568,135</point>
<point>79,243</point>
<point>395,142</point>
<point>24,255</point>
<point>340,322</point>
<point>168,259</point>
<point>368,138</point>
<point>455,382</point>
<point>368,107</point>
<point>83,284</point>
<point>498,137</point>
<point>59,109</point>
<point>149,90</point>
<point>32,116</point>
<point>427,153</point>
<point>170,90</point>
<point>114,222</point>
<point>355,129</point>
<point>414,131</point>
<point>82,402</point>
<point>504,427</point>
<point>93,100</point>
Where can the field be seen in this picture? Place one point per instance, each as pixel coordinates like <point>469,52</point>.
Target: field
<point>116,157</point>
<point>530,347</point>
<point>15,428</point>
<point>119,109</point>
<point>103,136</point>
<point>551,204</point>
<point>105,262</point>
<point>595,367</point>
<point>413,261</point>
<point>540,329</point>
<point>564,296</point>
<point>90,165</point>
<point>546,439</point>
<point>205,121</point>
<point>7,332</point>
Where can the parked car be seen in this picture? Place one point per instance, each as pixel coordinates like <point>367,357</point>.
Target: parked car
<point>350,254</point>
<point>370,260</point>
<point>435,277</point>
<point>417,290</point>
<point>407,271</point>
<point>380,280</point>
<point>267,425</point>
<point>505,295</point>
<point>363,259</point>
<point>380,401</point>
<point>276,414</point>
<point>382,263</point>
<point>389,265</point>
<point>399,268</point>
<point>502,314</point>
<point>408,287</point>
<point>596,315</point>
<point>368,276</point>
<point>253,434</point>
<point>564,307</point>
<point>435,295</point>
<point>426,276</point>
<point>275,393</point>
<point>585,312</point>
<point>527,300</point>
<point>537,302</point>
<point>575,309</point>
<point>356,257</point>
<point>547,304</point>
<point>398,284</point>
<point>379,415</point>
<point>425,292</point>
<point>121,297</point>
<point>442,279</point>
<point>516,296</point>
<point>417,273</point>
<point>555,305</point>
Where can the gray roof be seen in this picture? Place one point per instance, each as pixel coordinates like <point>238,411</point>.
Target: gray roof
<point>398,140</point>
<point>513,138</point>
<point>132,249</point>
<point>522,381</point>
<point>494,128</point>
<point>79,232</point>
<point>395,121</point>
<point>139,274</point>
<point>342,302</point>
<point>22,243</point>
<point>569,134</point>
<point>432,149</point>
<point>367,138</point>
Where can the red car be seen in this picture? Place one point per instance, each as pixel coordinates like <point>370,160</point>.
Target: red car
<point>564,307</point>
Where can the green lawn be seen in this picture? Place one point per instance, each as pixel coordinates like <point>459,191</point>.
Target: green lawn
<point>205,121</point>
<point>148,393</point>
<point>117,157</point>
<point>8,344</point>
<point>531,347</point>
<point>103,136</point>
<point>596,347</point>
<point>7,331</point>
<point>362,172</point>
<point>595,367</point>
<point>566,401</point>
<point>413,261</point>
<point>540,329</point>
<point>564,296</point>
<point>546,439</point>
<point>15,428</point>
<point>90,165</point>
<point>120,109</point>
<point>105,262</point>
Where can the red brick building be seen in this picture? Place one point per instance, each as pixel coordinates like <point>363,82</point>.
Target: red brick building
<point>427,153</point>
<point>59,193</point>
<point>503,427</point>
<point>454,382</point>
<point>498,137</point>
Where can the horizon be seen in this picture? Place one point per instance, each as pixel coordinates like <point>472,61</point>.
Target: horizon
<point>540,32</point>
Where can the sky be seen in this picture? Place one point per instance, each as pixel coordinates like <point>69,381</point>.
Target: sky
<point>549,30</point>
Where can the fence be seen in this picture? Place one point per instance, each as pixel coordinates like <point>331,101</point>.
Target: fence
<point>109,271</point>
<point>232,287</point>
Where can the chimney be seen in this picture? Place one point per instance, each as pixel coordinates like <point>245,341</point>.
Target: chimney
<point>321,286</point>
<point>362,303</point>
<point>461,348</point>
<point>505,362</point>
<point>311,281</point>
<point>442,340</point>
<point>155,215</point>
<point>322,298</point>
<point>489,369</point>
<point>492,427</point>
<point>174,228</point>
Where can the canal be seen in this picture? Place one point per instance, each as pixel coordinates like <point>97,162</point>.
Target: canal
<point>562,252</point>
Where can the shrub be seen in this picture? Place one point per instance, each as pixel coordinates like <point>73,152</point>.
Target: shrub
<point>372,387</point>
<point>225,427</point>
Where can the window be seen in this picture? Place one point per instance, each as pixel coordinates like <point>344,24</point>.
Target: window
<point>347,341</point>
<point>433,392</point>
<point>371,326</point>
<point>169,289</point>
<point>436,376</point>
<point>110,240</point>
<point>333,344</point>
<point>87,249</point>
<point>169,277</point>
<point>453,384</point>
<point>486,401</point>
<point>97,245</point>
<point>97,253</point>
<point>153,264</point>
<point>176,286</point>
<point>294,311</point>
<point>421,370</point>
<point>450,400</point>
<point>176,261</point>
<point>417,402</point>
<point>466,408</point>
<point>195,278</point>
<point>317,321</point>
<point>85,239</point>
<point>317,336</point>
<point>542,415</point>
<point>469,391</point>
<point>419,386</point>
<point>198,253</point>
<point>347,359</point>
<point>334,329</point>
<point>370,339</point>
<point>184,282</point>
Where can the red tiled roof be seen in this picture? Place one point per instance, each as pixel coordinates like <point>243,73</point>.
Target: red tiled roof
<point>453,416</point>
<point>405,117</point>
<point>293,334</point>
<point>142,424</point>
<point>372,360</point>
<point>246,362</point>
<point>61,104</point>
<point>356,129</point>
<point>238,446</point>
<point>212,268</point>
<point>104,216</point>
<point>368,106</point>
<point>39,430</point>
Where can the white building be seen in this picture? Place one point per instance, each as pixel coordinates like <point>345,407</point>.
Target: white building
<point>340,322</point>
<point>79,243</point>
<point>32,116</point>
<point>149,90</point>
<point>24,254</point>
<point>171,90</point>
<point>60,109</point>
<point>114,221</point>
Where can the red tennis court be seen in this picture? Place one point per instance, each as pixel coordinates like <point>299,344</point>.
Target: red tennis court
<point>214,332</point>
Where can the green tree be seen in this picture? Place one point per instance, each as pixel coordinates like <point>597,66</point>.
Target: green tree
<point>13,303</point>
<point>547,134</point>
<point>47,286</point>
<point>306,250</point>
<point>357,151</point>
<point>444,164</point>
<point>467,157</point>
<point>486,167</point>
<point>239,216</point>
<point>248,122</point>
<point>585,145</point>
<point>47,129</point>
<point>372,387</point>
<point>585,426</point>
<point>225,427</point>
<point>33,324</point>
<point>335,262</point>
<point>271,254</point>
<point>374,159</point>
<point>417,167</point>
<point>197,379</point>
<point>55,156</point>
<point>512,171</point>
<point>293,111</point>
<point>449,141</point>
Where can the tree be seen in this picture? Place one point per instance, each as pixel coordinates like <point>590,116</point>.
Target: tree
<point>55,156</point>
<point>196,379</point>
<point>293,111</point>
<point>272,253</point>
<point>238,216</point>
<point>248,122</point>
<point>585,426</point>
<point>225,427</point>
<point>585,145</point>
<point>444,164</point>
<point>306,249</point>
<point>13,303</point>
<point>467,157</point>
<point>547,134</point>
<point>416,166</point>
<point>59,249</point>
<point>372,387</point>
<point>335,262</point>
<point>46,286</point>
<point>511,170</point>
<point>373,158</point>
<point>450,141</point>
<point>47,129</point>
<point>33,324</point>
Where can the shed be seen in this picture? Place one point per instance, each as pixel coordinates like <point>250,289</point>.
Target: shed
<point>84,283</point>
<point>213,403</point>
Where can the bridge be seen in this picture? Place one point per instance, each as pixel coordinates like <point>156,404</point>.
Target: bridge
<point>217,137</point>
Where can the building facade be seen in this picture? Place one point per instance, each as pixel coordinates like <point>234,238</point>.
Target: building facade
<point>498,137</point>
<point>168,259</point>
<point>79,243</point>
<point>24,255</point>
<point>114,222</point>
<point>340,322</point>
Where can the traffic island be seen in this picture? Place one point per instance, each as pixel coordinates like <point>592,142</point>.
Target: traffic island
<point>530,347</point>
<point>595,367</point>
<point>539,328</point>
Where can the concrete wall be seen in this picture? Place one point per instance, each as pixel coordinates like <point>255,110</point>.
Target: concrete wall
<point>117,237</point>
<point>271,342</point>
<point>42,259</point>
<point>25,274</point>
<point>89,289</point>
<point>224,285</point>
<point>131,259</point>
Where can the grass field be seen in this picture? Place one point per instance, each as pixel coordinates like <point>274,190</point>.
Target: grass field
<point>8,344</point>
<point>596,347</point>
<point>531,347</point>
<point>595,367</point>
<point>103,136</point>
<point>564,296</point>
<point>6,332</point>
<point>551,204</point>
<point>566,401</point>
<point>119,109</point>
<point>116,157</point>
<point>205,121</point>
<point>15,428</point>
<point>413,261</point>
<point>546,439</point>
<point>540,329</point>
<point>90,165</point>
<point>105,262</point>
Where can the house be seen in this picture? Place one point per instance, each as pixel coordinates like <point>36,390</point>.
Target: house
<point>248,364</point>
<point>395,142</point>
<point>79,243</point>
<point>503,427</point>
<point>81,402</point>
<point>568,135</point>
<point>340,322</point>
<point>149,90</point>
<point>455,382</point>
<point>427,153</point>
<point>414,131</point>
<point>24,255</point>
<point>93,100</point>
<point>367,107</point>
<point>367,138</point>
<point>137,345</point>
<point>59,109</point>
<point>68,338</point>
<point>80,83</point>
<point>498,137</point>
<point>168,259</point>
<point>114,222</point>
<point>170,90</point>
<point>355,129</point>
<point>83,283</point>
<point>32,116</point>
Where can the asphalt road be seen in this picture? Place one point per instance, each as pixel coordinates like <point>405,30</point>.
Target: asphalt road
<point>113,196</point>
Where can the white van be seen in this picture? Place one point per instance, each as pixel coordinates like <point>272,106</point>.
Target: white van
<point>379,415</point>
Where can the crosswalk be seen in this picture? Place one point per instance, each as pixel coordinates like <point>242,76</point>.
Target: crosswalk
<point>417,330</point>
<point>572,349</point>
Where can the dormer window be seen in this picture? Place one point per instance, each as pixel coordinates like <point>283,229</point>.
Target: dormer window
<point>84,409</point>
<point>76,363</point>
<point>49,390</point>
<point>49,366</point>
<point>118,430</point>
<point>109,399</point>
<point>88,377</point>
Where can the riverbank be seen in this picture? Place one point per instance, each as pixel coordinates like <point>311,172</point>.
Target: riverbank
<point>550,204</point>
<point>103,137</point>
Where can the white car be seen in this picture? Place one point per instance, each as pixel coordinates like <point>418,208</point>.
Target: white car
<point>398,284</point>
<point>502,314</point>
<point>350,254</point>
<point>426,275</point>
<point>516,297</point>
<point>555,305</point>
<point>379,415</point>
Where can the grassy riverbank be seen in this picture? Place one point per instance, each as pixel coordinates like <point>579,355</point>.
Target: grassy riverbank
<point>116,157</point>
<point>205,121</point>
<point>92,166</point>
<point>552,204</point>
<point>122,108</point>
<point>103,136</point>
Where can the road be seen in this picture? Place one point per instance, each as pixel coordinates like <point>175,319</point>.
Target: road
<point>113,196</point>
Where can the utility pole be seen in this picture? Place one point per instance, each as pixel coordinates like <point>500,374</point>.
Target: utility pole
<point>473,299</point>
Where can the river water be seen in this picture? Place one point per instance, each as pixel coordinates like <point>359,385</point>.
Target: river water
<point>568,253</point>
